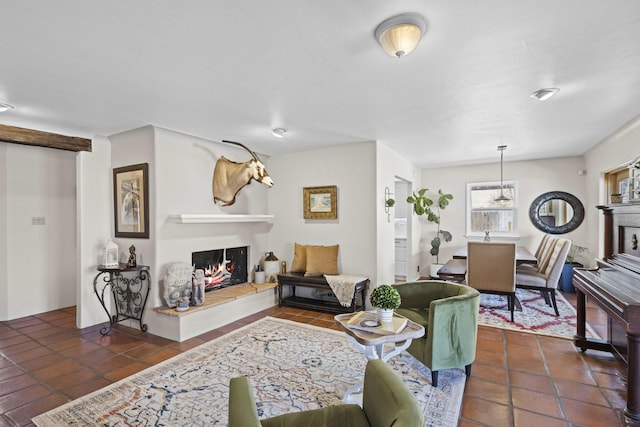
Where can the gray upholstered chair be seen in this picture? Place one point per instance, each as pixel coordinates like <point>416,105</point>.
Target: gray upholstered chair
<point>449,313</point>
<point>491,268</point>
<point>545,279</point>
<point>543,252</point>
<point>386,402</point>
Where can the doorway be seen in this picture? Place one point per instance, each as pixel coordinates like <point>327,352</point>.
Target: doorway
<point>402,229</point>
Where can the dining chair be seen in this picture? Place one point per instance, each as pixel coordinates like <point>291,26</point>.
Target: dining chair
<point>542,255</point>
<point>546,278</point>
<point>491,269</point>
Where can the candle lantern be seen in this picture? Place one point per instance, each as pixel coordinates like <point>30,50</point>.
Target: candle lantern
<point>111,255</point>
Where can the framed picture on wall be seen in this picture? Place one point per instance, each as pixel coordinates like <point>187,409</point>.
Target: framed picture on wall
<point>320,202</point>
<point>131,201</point>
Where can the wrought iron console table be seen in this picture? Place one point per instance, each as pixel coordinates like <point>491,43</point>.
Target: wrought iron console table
<point>129,292</point>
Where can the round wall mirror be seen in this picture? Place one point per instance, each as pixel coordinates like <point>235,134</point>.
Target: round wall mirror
<point>556,212</point>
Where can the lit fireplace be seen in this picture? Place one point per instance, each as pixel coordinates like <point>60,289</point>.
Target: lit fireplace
<point>222,267</point>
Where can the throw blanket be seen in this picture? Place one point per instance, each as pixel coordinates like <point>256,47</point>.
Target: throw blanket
<point>343,287</point>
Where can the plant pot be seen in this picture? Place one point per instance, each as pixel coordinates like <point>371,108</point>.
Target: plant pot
<point>566,278</point>
<point>385,315</point>
<point>433,270</point>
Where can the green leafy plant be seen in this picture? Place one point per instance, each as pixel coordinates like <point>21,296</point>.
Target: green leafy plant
<point>574,252</point>
<point>423,205</point>
<point>385,297</point>
<point>389,202</point>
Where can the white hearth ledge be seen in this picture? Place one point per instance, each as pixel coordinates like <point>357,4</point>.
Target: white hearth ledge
<point>219,218</point>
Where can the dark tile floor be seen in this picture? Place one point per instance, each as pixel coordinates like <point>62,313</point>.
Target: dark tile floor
<point>518,379</point>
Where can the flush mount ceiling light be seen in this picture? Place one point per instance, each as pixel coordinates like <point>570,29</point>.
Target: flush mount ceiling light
<point>544,94</point>
<point>278,132</point>
<point>400,34</point>
<point>502,198</point>
<point>5,107</point>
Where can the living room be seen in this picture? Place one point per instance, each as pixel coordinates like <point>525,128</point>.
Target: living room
<point>56,209</point>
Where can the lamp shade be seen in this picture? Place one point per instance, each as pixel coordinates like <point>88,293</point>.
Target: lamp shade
<point>400,34</point>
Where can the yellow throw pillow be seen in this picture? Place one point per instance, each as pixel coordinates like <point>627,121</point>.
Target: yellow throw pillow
<point>322,260</point>
<point>299,264</point>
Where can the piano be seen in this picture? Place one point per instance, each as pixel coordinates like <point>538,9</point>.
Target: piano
<point>614,285</point>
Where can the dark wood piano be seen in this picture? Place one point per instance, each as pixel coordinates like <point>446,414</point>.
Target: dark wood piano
<point>615,286</point>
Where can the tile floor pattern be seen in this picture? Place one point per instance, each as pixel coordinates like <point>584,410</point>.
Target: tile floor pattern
<point>518,379</point>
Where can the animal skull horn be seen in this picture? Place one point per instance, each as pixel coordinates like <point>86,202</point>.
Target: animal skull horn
<point>254,155</point>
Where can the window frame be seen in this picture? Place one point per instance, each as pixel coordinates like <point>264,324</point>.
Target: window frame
<point>514,233</point>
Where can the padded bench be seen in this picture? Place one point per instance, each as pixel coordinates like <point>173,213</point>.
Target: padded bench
<point>293,280</point>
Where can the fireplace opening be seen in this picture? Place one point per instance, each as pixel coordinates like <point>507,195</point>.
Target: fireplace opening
<point>222,267</point>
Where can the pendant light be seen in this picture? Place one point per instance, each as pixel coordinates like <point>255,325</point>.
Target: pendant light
<point>502,198</point>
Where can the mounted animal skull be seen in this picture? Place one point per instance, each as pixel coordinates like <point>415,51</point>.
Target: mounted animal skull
<point>230,177</point>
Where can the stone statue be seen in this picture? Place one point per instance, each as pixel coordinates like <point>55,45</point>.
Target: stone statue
<point>132,257</point>
<point>197,293</point>
<point>177,282</point>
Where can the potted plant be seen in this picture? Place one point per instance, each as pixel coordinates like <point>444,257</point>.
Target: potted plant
<point>566,277</point>
<point>386,299</point>
<point>431,209</point>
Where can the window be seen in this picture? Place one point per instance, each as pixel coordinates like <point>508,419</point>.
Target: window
<point>484,213</point>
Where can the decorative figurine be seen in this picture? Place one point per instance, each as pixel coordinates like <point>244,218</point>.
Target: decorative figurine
<point>177,281</point>
<point>132,257</point>
<point>197,291</point>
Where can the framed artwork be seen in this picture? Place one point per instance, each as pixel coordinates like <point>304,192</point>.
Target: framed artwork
<point>320,202</point>
<point>131,201</point>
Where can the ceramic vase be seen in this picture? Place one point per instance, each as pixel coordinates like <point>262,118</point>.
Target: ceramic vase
<point>385,315</point>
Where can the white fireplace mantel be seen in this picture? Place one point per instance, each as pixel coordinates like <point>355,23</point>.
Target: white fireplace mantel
<point>219,218</point>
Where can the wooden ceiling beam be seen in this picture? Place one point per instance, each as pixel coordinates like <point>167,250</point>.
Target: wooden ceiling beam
<point>38,138</point>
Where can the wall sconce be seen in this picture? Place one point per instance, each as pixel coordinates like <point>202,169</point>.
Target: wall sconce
<point>388,202</point>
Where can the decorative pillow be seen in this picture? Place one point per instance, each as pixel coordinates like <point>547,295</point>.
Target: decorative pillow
<point>299,264</point>
<point>322,260</point>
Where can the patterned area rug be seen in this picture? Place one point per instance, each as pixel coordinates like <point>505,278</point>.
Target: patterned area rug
<point>536,316</point>
<point>292,367</point>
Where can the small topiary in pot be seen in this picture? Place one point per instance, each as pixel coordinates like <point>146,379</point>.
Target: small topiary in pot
<point>385,297</point>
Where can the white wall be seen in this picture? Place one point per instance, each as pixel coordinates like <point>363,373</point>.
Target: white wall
<point>4,284</point>
<point>533,177</point>
<point>352,169</point>
<point>619,148</point>
<point>39,261</point>
<point>94,207</point>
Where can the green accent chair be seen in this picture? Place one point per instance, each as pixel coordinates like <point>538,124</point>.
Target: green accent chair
<point>386,402</point>
<point>449,313</point>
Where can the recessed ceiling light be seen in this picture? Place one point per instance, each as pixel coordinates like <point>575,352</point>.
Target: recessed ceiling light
<point>278,132</point>
<point>5,107</point>
<point>545,93</point>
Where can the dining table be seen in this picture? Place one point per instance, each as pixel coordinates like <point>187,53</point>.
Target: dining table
<point>523,255</point>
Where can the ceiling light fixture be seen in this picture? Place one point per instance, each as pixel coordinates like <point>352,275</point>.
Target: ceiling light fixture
<point>278,132</point>
<point>502,198</point>
<point>400,34</point>
<point>544,94</point>
<point>5,107</point>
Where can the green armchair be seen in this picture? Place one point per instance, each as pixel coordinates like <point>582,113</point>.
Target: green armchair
<point>449,313</point>
<point>386,402</point>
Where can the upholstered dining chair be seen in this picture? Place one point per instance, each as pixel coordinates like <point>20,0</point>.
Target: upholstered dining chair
<point>545,279</point>
<point>449,313</point>
<point>491,269</point>
<point>543,252</point>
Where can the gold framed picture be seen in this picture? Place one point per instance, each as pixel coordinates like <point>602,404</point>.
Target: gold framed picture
<point>131,201</point>
<point>320,202</point>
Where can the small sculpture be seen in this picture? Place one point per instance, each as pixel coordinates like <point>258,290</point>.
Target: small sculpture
<point>197,291</point>
<point>177,282</point>
<point>132,257</point>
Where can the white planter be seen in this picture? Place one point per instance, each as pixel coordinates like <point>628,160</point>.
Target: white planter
<point>385,315</point>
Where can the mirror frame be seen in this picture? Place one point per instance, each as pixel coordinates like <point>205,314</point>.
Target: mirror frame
<point>574,202</point>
